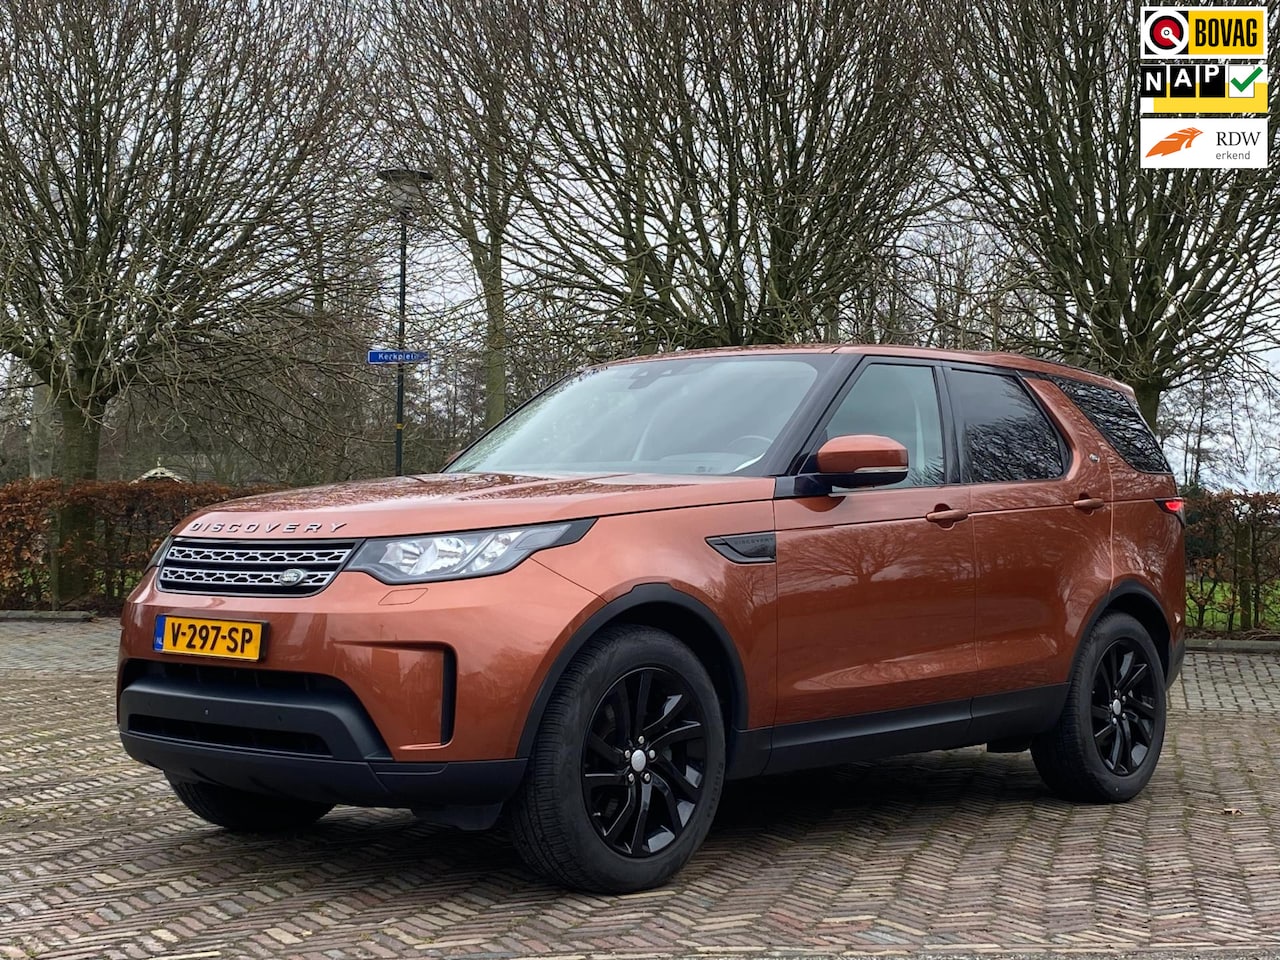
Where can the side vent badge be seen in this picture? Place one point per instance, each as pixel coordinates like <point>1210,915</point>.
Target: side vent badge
<point>746,547</point>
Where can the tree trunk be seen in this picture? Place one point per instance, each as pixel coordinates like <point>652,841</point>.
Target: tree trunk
<point>830,323</point>
<point>44,433</point>
<point>1148,395</point>
<point>1255,566</point>
<point>495,373</point>
<point>495,350</point>
<point>70,575</point>
<point>1197,452</point>
<point>1244,576</point>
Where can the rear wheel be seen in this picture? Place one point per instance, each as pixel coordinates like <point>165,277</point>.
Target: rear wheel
<point>243,812</point>
<point>627,770</point>
<point>1107,742</point>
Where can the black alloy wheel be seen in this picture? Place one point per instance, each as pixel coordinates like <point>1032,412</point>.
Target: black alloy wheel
<point>627,768</point>
<point>1123,707</point>
<point>1106,743</point>
<point>644,761</point>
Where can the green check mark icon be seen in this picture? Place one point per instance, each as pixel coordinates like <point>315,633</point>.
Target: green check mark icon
<point>1241,84</point>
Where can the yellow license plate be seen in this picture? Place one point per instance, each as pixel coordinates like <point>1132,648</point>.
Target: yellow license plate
<point>230,639</point>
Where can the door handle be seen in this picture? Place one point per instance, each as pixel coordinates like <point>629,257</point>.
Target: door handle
<point>1089,504</point>
<point>945,516</point>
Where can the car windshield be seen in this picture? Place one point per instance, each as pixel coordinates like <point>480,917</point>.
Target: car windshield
<point>694,415</point>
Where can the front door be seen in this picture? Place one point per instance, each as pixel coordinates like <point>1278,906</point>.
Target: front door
<point>876,585</point>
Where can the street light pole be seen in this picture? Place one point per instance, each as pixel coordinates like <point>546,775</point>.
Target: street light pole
<point>406,192</point>
<point>404,269</point>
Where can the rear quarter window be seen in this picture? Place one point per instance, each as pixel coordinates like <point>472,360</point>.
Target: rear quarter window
<point>1117,419</point>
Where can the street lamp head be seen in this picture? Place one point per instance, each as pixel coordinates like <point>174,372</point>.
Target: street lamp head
<point>406,186</point>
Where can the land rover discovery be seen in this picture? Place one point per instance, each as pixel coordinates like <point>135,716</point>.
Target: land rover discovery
<point>664,573</point>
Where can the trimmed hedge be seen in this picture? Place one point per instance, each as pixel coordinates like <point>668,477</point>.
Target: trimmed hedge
<point>1233,560</point>
<point>130,520</point>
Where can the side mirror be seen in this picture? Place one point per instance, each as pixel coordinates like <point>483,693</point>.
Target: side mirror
<point>863,460</point>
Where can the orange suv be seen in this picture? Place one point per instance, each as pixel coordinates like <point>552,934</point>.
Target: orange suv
<point>664,573</point>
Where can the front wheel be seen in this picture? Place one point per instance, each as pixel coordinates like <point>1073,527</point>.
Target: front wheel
<point>627,769</point>
<point>1105,746</point>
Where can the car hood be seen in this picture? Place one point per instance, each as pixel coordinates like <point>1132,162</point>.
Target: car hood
<point>437,503</point>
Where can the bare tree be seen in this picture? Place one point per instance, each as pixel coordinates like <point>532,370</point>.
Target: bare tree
<point>16,424</point>
<point>460,100</point>
<point>1156,277</point>
<point>1221,430</point>
<point>157,158</point>
<point>719,173</point>
<point>300,404</point>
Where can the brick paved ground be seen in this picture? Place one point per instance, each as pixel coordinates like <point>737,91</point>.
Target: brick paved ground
<point>939,854</point>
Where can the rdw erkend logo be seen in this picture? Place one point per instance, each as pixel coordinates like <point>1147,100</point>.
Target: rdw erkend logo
<point>1178,140</point>
<point>1212,143</point>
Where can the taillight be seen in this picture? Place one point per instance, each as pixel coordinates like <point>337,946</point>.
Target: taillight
<point>1173,505</point>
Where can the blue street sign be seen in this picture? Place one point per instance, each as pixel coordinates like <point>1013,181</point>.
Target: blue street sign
<point>398,356</point>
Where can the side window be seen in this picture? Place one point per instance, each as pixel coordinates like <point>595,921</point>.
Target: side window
<point>1116,418</point>
<point>1005,434</point>
<point>899,402</point>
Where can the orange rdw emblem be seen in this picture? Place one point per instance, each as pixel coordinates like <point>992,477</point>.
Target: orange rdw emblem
<point>1178,140</point>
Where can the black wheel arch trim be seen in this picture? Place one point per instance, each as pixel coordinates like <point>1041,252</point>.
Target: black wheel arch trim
<point>641,595</point>
<point>1126,588</point>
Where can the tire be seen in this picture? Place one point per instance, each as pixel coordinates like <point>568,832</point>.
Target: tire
<point>1105,746</point>
<point>577,819</point>
<point>243,812</point>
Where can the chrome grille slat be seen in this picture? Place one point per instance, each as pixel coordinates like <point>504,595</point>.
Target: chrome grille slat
<point>274,555</point>
<point>238,577</point>
<point>246,568</point>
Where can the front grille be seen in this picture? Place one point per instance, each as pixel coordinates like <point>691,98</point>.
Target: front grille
<point>235,568</point>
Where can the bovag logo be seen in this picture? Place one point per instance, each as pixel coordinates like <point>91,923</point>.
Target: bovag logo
<point>1204,32</point>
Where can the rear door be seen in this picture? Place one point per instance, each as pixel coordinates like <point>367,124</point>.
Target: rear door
<point>875,599</point>
<point>1040,489</point>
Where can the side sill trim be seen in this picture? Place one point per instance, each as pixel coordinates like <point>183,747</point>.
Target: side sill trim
<point>887,733</point>
<point>1017,713</point>
<point>869,736</point>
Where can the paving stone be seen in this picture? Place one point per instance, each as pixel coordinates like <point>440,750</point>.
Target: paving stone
<point>940,854</point>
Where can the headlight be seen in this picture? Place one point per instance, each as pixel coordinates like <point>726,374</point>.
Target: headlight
<point>451,556</point>
<point>158,556</point>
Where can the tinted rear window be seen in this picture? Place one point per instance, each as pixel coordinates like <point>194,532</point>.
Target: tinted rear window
<point>1119,421</point>
<point>1006,436</point>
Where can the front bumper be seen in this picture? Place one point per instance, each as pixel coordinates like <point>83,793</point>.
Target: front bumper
<point>309,740</point>
<point>365,694</point>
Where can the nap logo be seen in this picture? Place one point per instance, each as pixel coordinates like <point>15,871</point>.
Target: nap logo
<point>1186,87</point>
<point>1204,32</point>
